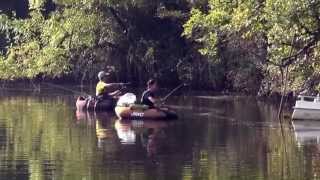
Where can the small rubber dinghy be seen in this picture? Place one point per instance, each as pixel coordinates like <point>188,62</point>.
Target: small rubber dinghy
<point>128,109</point>
<point>95,104</point>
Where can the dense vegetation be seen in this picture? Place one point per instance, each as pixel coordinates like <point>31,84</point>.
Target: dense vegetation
<point>244,46</point>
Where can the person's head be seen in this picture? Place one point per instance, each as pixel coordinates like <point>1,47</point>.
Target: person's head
<point>103,76</point>
<point>152,85</point>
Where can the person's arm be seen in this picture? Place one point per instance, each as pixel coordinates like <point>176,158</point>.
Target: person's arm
<point>113,85</point>
<point>156,101</point>
<point>153,99</point>
<point>115,93</point>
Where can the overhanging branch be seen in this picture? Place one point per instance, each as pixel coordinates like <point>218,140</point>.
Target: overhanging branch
<point>118,19</point>
<point>290,59</point>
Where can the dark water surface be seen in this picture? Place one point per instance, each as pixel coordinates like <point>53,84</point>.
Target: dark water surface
<point>216,138</point>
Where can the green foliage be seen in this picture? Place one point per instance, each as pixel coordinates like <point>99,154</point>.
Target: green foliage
<point>141,39</point>
<point>79,3</point>
<point>42,47</point>
<point>36,4</point>
<point>228,42</point>
<point>197,21</point>
<point>224,17</point>
<point>288,31</point>
<point>294,32</point>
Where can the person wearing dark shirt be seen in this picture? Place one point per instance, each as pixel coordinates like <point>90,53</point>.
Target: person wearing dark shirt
<point>148,97</point>
<point>154,104</point>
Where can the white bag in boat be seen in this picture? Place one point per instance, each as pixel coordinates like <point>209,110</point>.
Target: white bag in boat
<point>127,99</point>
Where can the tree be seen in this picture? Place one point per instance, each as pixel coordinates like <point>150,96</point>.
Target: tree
<point>286,31</point>
<point>43,46</point>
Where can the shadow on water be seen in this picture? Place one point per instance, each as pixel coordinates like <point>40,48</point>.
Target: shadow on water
<point>43,137</point>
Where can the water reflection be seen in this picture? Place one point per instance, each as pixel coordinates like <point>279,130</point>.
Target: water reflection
<point>113,133</point>
<point>307,132</point>
<point>42,137</point>
<point>125,132</point>
<point>107,139</point>
<point>151,133</point>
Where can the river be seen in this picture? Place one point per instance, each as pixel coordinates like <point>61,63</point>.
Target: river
<point>215,138</point>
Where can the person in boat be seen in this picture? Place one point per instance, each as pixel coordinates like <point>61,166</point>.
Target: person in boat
<point>150,106</point>
<point>104,89</point>
<point>148,96</point>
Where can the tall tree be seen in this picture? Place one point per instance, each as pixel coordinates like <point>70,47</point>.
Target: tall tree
<point>287,30</point>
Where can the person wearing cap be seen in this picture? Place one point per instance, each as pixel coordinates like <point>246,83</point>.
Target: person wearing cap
<point>106,90</point>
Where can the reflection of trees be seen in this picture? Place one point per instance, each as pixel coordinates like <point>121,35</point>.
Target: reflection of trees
<point>312,161</point>
<point>40,139</point>
<point>247,146</point>
<point>40,132</point>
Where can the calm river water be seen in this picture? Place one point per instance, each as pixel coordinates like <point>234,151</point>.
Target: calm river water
<point>216,138</point>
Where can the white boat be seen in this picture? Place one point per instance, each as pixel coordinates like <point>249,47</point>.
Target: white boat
<point>307,107</point>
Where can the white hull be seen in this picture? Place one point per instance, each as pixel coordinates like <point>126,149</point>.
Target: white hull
<point>307,107</point>
<point>308,114</point>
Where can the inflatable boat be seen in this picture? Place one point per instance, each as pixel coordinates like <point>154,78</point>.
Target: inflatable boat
<point>127,108</point>
<point>95,104</point>
<point>133,113</point>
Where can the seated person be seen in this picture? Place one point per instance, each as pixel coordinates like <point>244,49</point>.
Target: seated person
<point>105,90</point>
<point>148,97</point>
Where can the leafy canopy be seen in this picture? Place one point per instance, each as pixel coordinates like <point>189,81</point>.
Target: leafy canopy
<point>290,29</point>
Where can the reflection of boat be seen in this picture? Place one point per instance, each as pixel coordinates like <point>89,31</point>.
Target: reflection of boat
<point>106,135</point>
<point>307,107</point>
<point>85,117</point>
<point>94,104</point>
<point>129,113</point>
<point>307,132</point>
<point>103,122</point>
<point>90,117</point>
<point>125,133</point>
